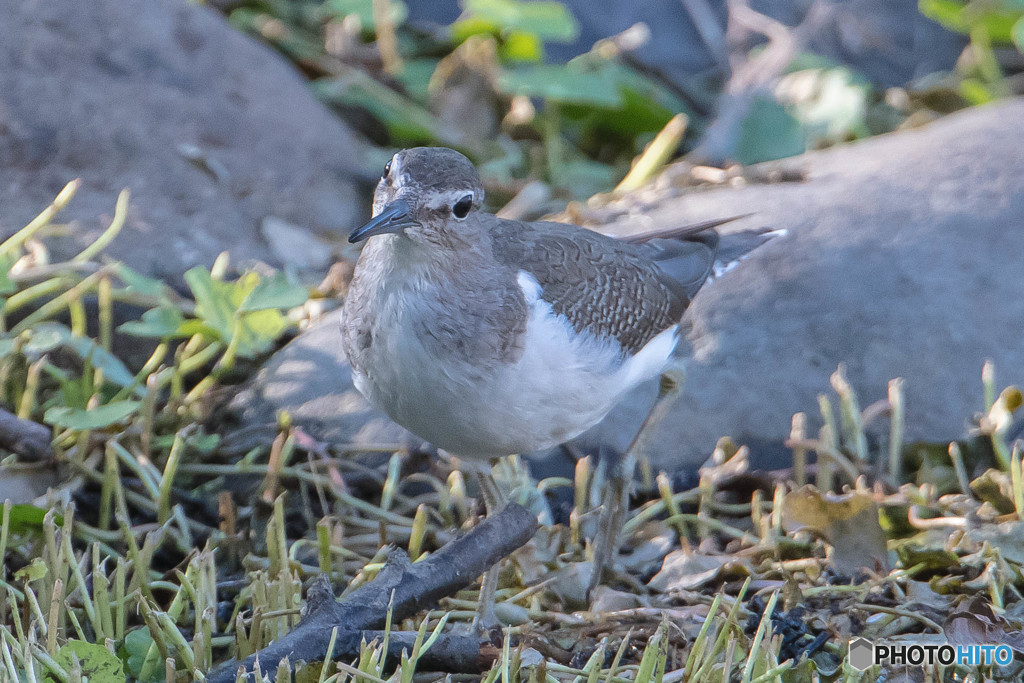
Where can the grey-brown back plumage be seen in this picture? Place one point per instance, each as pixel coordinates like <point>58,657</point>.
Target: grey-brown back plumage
<point>606,286</point>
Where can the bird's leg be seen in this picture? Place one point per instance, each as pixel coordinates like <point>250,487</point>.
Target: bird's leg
<point>615,496</point>
<point>669,390</point>
<point>494,499</point>
<point>613,506</point>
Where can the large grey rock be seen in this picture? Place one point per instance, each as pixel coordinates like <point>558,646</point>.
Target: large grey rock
<point>904,258</point>
<point>310,378</point>
<point>211,131</point>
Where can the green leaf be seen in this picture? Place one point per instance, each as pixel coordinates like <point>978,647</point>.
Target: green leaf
<point>997,20</point>
<point>114,370</point>
<point>999,25</point>
<point>205,443</point>
<point>136,645</point>
<point>47,336</point>
<point>830,103</point>
<point>946,12</point>
<point>976,92</point>
<point>546,20</point>
<point>259,330</point>
<point>214,301</point>
<point>25,517</point>
<point>7,286</point>
<point>96,418</point>
<point>522,47</point>
<point>563,83</point>
<point>160,322</point>
<point>472,26</point>
<point>1017,34</point>
<point>33,571</point>
<point>138,283</point>
<point>98,664</point>
<point>586,178</point>
<point>218,303</point>
<point>415,78</point>
<point>7,346</point>
<point>275,292</point>
<point>645,108</point>
<point>768,132</point>
<point>406,121</point>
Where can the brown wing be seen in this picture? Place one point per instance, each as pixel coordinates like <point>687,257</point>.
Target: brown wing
<point>606,286</point>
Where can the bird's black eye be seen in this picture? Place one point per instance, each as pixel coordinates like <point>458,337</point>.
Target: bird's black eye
<point>387,170</point>
<point>461,208</point>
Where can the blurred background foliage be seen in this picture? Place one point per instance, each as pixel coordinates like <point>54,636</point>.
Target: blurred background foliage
<point>996,32</point>
<point>485,84</point>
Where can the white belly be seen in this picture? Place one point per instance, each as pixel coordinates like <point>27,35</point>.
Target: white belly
<point>562,383</point>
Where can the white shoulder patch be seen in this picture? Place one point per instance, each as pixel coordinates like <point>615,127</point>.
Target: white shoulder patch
<point>531,288</point>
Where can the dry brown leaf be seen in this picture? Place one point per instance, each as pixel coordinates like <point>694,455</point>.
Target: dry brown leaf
<point>994,487</point>
<point>1007,538</point>
<point>570,583</point>
<point>462,92</point>
<point>974,622</point>
<point>610,600</point>
<point>736,464</point>
<point>849,522</point>
<point>684,570</point>
<point>646,552</point>
<point>919,592</point>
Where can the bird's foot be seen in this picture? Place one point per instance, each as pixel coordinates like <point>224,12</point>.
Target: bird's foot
<point>615,495</point>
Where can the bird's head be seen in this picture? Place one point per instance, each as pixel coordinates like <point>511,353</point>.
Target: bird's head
<point>427,193</point>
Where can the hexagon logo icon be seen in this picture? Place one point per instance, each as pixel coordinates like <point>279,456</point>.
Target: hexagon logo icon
<point>862,654</point>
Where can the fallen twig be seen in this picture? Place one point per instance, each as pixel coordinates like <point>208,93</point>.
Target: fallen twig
<point>408,587</point>
<point>449,653</point>
<point>28,439</point>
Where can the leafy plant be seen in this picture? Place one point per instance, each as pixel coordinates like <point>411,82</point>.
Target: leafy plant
<point>50,367</point>
<point>591,116</point>
<point>522,27</point>
<point>989,23</point>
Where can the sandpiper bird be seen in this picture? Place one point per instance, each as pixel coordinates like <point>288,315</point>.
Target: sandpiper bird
<point>489,337</point>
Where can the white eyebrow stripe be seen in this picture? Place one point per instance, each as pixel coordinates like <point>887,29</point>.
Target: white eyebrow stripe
<point>444,200</point>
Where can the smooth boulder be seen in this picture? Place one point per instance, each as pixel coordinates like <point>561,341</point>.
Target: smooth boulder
<point>311,379</point>
<point>904,257</point>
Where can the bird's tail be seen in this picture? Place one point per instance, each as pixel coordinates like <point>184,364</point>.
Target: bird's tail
<point>734,247</point>
<point>691,255</point>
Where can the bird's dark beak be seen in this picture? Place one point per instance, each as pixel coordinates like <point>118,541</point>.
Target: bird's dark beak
<point>394,218</point>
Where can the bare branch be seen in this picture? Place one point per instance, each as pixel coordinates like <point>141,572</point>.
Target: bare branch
<point>25,438</point>
<point>409,587</point>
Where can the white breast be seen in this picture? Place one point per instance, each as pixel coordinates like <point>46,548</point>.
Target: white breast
<point>561,384</point>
